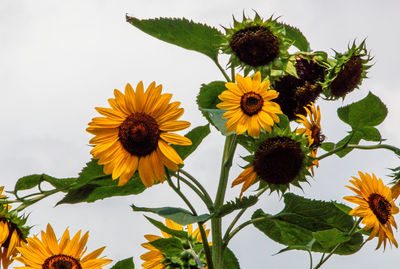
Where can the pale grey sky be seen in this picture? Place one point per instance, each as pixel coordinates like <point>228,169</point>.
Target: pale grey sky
<point>60,59</point>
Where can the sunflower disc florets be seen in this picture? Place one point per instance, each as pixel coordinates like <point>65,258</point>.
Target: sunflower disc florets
<point>297,92</point>
<point>255,44</point>
<point>348,71</point>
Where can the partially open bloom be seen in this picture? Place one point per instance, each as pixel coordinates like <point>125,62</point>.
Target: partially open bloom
<point>249,106</point>
<point>154,258</point>
<point>12,233</point>
<point>376,207</point>
<point>312,130</point>
<point>50,253</point>
<point>279,160</point>
<point>134,134</point>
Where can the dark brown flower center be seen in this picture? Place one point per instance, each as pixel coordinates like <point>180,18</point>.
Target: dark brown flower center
<point>309,70</point>
<point>317,136</point>
<point>278,160</point>
<point>380,206</point>
<point>61,262</point>
<point>251,103</point>
<point>139,134</point>
<point>255,45</point>
<point>348,78</point>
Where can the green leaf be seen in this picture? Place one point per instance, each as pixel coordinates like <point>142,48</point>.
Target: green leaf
<point>369,111</point>
<point>284,122</point>
<point>208,95</point>
<point>354,139</point>
<point>179,215</point>
<point>182,32</point>
<point>328,146</point>
<point>168,246</point>
<point>162,227</point>
<point>328,239</point>
<point>196,135</point>
<point>370,133</point>
<point>28,182</point>
<point>231,206</point>
<point>230,260</point>
<point>342,207</point>
<point>103,188</point>
<point>294,34</point>
<point>301,217</point>
<point>216,119</point>
<point>124,264</point>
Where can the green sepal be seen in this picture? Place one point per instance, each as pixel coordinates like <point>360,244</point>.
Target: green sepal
<point>16,221</point>
<point>124,264</point>
<point>303,220</point>
<point>183,33</point>
<point>176,214</point>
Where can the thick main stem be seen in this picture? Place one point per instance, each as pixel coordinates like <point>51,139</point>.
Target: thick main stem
<point>216,223</point>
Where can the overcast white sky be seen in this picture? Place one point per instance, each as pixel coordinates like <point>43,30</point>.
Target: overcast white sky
<point>60,59</point>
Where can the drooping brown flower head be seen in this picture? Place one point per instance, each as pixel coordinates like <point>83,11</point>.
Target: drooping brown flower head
<point>348,78</point>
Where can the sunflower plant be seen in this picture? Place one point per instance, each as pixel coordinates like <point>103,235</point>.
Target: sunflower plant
<point>268,104</point>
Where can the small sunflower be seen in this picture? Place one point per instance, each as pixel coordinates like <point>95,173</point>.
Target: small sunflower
<point>134,134</point>
<point>347,73</point>
<point>155,259</point>
<point>279,159</point>
<point>376,207</point>
<point>255,44</point>
<point>12,233</point>
<point>312,131</point>
<point>248,104</point>
<point>48,253</point>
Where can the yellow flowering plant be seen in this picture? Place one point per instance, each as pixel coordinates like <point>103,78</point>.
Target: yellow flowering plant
<point>268,104</point>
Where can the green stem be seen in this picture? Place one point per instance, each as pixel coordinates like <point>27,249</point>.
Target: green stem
<point>36,199</point>
<point>351,232</point>
<point>222,70</point>
<point>207,202</point>
<point>216,223</point>
<point>241,212</point>
<point>197,183</point>
<point>243,225</point>
<point>233,73</point>
<point>202,232</point>
<point>336,149</point>
<point>311,261</point>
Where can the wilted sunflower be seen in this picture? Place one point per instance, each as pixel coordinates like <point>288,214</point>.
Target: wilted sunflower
<point>278,160</point>
<point>312,131</point>
<point>255,44</point>
<point>348,71</point>
<point>48,253</point>
<point>12,233</point>
<point>248,104</point>
<point>155,259</point>
<point>134,134</point>
<point>376,207</point>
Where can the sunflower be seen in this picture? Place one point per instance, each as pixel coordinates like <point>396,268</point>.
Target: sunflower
<point>154,258</point>
<point>248,105</point>
<point>376,207</point>
<point>134,134</point>
<point>48,253</point>
<point>279,159</point>
<point>12,233</point>
<point>312,131</point>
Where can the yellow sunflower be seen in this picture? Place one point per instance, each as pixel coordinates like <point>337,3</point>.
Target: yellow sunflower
<point>134,134</point>
<point>248,104</point>
<point>154,257</point>
<point>10,236</point>
<point>48,253</point>
<point>312,131</point>
<point>376,207</point>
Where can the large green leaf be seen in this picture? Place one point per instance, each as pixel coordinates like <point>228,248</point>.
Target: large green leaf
<point>230,260</point>
<point>196,135</point>
<point>294,34</point>
<point>208,97</point>
<point>302,219</point>
<point>369,111</point>
<point>179,215</point>
<point>124,264</point>
<point>93,185</point>
<point>182,32</point>
<point>215,116</point>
